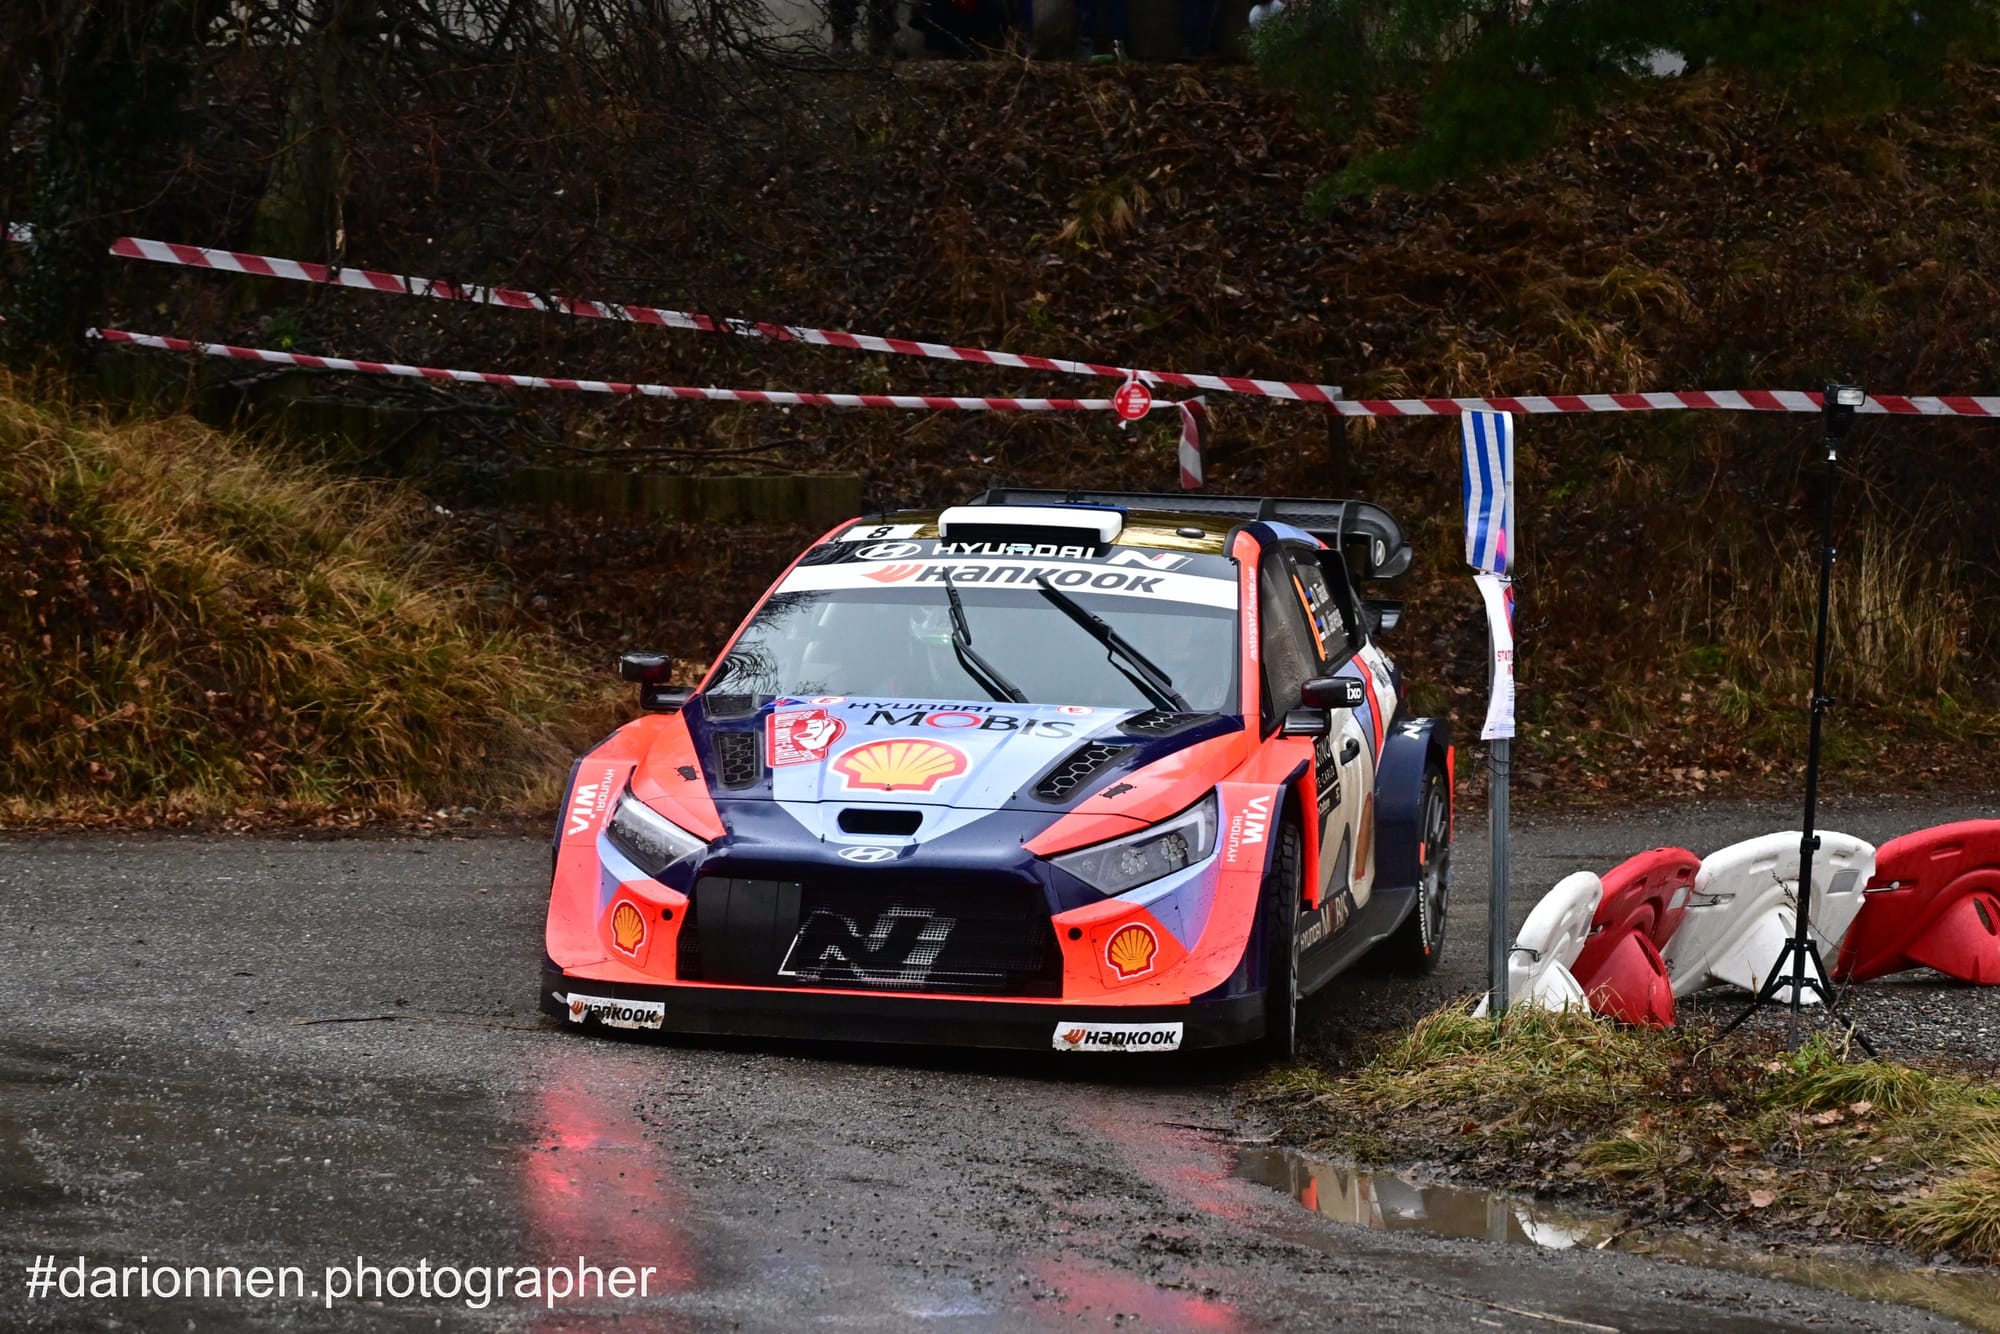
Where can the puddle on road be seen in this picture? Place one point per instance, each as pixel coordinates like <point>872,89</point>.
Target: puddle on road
<point>1395,1203</point>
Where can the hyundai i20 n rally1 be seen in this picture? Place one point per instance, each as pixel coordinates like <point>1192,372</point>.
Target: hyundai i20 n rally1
<point>1090,772</point>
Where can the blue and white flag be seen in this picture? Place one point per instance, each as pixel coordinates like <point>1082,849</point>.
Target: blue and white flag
<point>1489,490</point>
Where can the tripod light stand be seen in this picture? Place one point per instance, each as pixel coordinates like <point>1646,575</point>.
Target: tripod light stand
<point>1801,952</point>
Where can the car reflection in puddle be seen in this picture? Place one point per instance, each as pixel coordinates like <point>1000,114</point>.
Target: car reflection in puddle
<point>1394,1203</point>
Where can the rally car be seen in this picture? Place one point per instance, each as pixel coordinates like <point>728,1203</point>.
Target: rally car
<point>1096,772</point>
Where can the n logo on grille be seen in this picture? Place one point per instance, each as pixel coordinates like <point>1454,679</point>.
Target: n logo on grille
<point>899,948</point>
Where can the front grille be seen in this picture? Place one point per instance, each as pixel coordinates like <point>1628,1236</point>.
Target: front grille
<point>736,757</point>
<point>984,939</point>
<point>1077,768</point>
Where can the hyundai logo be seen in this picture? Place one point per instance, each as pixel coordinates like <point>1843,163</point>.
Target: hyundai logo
<point>868,854</point>
<point>890,550</point>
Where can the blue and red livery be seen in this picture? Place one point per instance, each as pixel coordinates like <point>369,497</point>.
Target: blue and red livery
<point>1070,771</point>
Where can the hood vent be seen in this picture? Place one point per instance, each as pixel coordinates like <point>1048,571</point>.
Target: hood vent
<point>880,820</point>
<point>1162,722</point>
<point>736,757</point>
<point>1077,768</point>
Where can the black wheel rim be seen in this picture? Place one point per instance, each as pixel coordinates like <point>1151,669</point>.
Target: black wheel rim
<point>1292,991</point>
<point>1437,855</point>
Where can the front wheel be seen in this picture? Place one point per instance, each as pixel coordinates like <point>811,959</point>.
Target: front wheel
<point>1418,943</point>
<point>1284,894</point>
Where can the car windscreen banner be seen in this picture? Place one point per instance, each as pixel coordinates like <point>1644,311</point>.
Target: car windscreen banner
<point>861,561</point>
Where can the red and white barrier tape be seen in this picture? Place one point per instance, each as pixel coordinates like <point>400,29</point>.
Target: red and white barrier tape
<point>1190,410</point>
<point>1714,400</point>
<point>267,266</point>
<point>1724,400</point>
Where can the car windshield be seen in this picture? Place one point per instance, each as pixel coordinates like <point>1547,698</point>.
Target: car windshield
<point>899,642</point>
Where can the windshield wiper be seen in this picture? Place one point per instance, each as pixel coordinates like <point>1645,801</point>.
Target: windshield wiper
<point>1145,673</point>
<point>989,677</point>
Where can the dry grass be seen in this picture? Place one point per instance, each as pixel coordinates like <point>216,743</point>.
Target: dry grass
<point>1660,1121</point>
<point>195,627</point>
<point>1901,625</point>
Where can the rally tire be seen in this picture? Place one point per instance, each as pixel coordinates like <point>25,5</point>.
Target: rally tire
<point>1284,896</point>
<point>1418,944</point>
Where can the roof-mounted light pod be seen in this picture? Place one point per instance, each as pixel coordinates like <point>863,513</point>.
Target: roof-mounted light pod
<point>1083,525</point>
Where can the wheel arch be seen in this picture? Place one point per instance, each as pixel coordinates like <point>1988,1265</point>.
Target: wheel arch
<point>1411,747</point>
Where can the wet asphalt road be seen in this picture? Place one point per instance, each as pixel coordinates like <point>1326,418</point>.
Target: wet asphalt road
<point>262,1051</point>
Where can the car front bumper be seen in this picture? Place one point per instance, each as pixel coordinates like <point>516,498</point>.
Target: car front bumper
<point>951,1021</point>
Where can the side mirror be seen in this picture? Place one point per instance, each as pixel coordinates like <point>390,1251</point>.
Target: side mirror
<point>645,668</point>
<point>1333,692</point>
<point>651,670</point>
<point>1306,722</point>
<point>1383,613</point>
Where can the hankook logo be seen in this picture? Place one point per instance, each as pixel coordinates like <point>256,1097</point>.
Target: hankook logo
<point>868,855</point>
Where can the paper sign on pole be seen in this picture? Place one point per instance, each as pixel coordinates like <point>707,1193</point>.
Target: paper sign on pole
<point>1498,594</point>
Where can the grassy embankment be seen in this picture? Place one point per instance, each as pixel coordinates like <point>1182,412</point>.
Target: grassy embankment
<point>1667,1124</point>
<point>193,627</point>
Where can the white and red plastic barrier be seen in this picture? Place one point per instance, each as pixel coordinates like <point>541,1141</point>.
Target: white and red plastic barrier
<point>1191,410</point>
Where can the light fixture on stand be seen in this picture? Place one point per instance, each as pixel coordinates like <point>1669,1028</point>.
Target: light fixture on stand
<point>1799,965</point>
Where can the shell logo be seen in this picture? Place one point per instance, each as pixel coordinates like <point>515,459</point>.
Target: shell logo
<point>1131,951</point>
<point>900,765</point>
<point>628,927</point>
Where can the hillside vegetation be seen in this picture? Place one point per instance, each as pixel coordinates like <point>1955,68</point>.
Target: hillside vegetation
<point>1702,235</point>
<point>193,627</point>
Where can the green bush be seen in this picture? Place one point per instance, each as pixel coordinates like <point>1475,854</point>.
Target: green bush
<point>1495,79</point>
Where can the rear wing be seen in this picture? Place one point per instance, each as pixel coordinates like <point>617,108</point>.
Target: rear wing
<point>1362,532</point>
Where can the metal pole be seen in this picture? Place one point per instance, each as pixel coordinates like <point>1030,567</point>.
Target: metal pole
<point>1499,755</point>
<point>1497,772</point>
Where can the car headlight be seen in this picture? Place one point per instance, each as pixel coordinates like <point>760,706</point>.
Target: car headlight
<point>1138,859</point>
<point>650,839</point>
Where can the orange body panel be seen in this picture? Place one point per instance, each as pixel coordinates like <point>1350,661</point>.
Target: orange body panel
<point>1163,788</point>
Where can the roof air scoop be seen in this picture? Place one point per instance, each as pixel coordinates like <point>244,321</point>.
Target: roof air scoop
<point>1078,525</point>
